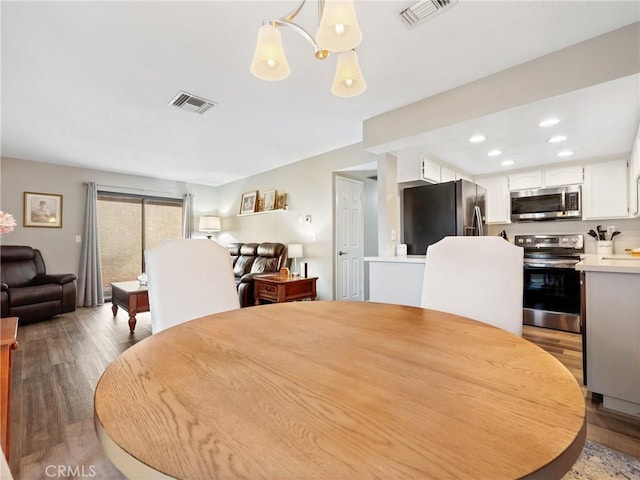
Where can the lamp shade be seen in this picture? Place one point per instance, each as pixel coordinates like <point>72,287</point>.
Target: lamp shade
<point>209,224</point>
<point>294,250</point>
<point>348,81</point>
<point>339,30</point>
<point>269,61</point>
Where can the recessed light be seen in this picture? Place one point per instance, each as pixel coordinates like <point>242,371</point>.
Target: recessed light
<point>494,153</point>
<point>477,138</point>
<point>506,163</point>
<point>549,122</point>
<point>557,139</point>
<point>565,153</point>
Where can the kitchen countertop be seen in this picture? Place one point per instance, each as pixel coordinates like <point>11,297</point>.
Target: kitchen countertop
<point>615,263</point>
<point>397,259</point>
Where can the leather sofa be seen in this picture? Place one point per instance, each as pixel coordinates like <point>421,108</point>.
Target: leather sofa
<point>28,292</point>
<point>250,259</point>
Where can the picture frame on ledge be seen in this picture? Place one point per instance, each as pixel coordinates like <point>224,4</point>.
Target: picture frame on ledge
<point>281,201</point>
<point>249,202</point>
<point>42,210</point>
<point>269,200</point>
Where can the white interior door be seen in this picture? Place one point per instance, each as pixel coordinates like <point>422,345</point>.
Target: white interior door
<point>348,242</point>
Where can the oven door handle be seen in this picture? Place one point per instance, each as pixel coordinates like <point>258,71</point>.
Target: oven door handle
<point>566,266</point>
<point>564,201</point>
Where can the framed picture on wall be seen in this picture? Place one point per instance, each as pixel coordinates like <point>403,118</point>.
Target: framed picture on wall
<point>42,210</point>
<point>249,202</point>
<point>270,200</point>
<point>281,201</point>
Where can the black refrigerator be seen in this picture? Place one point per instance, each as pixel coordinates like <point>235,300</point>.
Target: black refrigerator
<point>432,212</point>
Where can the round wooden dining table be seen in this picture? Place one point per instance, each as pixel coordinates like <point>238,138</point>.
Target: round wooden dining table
<point>338,390</point>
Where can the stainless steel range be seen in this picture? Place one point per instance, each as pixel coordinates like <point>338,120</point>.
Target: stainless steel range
<point>552,296</point>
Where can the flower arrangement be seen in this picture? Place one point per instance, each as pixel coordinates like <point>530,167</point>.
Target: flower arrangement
<point>7,223</point>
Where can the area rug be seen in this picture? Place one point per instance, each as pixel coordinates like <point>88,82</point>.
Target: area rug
<point>598,462</point>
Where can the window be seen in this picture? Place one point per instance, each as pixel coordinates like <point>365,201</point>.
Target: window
<point>128,225</point>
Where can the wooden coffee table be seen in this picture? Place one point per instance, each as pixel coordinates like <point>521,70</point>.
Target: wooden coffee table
<point>283,288</point>
<point>131,297</point>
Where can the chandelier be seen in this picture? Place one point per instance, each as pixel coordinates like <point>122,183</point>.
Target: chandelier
<point>338,31</point>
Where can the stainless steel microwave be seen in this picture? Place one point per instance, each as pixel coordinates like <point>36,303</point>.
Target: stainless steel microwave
<point>546,204</point>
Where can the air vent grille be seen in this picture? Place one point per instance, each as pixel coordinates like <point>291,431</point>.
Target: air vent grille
<point>418,12</point>
<point>191,103</point>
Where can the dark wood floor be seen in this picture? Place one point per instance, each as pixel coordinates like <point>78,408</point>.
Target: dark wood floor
<point>59,362</point>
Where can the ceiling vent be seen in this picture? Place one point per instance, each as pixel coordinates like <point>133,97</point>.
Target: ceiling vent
<point>191,103</point>
<point>417,12</point>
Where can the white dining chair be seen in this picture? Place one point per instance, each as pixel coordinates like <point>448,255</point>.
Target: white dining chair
<point>476,277</point>
<point>187,279</point>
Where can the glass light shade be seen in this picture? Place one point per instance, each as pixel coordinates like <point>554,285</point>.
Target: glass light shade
<point>294,250</point>
<point>348,81</point>
<point>339,30</point>
<point>269,62</point>
<point>209,224</point>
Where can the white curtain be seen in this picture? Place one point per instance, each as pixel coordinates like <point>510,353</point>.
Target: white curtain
<point>90,291</point>
<point>187,216</point>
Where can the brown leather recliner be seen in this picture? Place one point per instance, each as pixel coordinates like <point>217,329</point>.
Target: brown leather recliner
<point>28,292</point>
<point>250,259</point>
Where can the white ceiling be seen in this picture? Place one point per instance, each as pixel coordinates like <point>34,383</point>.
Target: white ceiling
<point>598,121</point>
<point>87,83</point>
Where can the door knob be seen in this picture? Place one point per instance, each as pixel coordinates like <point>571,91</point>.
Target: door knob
<point>342,253</point>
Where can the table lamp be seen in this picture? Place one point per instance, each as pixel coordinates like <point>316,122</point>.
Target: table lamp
<point>294,251</point>
<point>209,224</point>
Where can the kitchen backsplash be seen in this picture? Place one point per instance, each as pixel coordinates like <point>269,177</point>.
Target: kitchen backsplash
<point>629,231</point>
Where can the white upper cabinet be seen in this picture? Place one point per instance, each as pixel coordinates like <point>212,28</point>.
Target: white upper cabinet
<point>436,172</point>
<point>462,176</point>
<point>409,168</point>
<point>559,176</point>
<point>497,200</point>
<point>412,166</point>
<point>548,177</point>
<point>604,194</point>
<point>446,174</point>
<point>525,180</point>
<point>430,170</point>
<point>634,178</point>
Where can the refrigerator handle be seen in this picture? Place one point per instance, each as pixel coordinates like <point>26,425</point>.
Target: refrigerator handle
<point>477,219</point>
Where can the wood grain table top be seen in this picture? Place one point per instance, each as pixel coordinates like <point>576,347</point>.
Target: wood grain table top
<point>349,390</point>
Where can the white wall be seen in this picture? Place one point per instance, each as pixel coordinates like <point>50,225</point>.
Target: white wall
<point>308,184</point>
<point>58,246</point>
<point>370,210</point>
<point>309,187</point>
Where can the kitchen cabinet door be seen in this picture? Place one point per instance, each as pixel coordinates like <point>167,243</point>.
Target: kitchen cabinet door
<point>498,208</point>
<point>613,340</point>
<point>430,170</point>
<point>446,174</point>
<point>568,175</point>
<point>634,178</point>
<point>525,180</point>
<point>462,176</point>
<point>409,168</point>
<point>604,193</point>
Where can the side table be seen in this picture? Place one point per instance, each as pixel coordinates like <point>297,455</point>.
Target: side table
<point>8,343</point>
<point>131,297</point>
<point>283,288</point>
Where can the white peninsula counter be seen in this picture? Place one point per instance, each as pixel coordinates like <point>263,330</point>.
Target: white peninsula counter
<point>612,297</point>
<point>396,280</point>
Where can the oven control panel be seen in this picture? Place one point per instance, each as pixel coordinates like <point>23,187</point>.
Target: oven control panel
<point>537,242</point>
